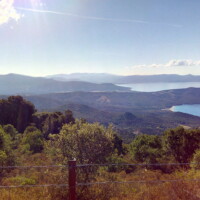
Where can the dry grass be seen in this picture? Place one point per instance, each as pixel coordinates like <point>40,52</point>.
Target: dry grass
<point>171,190</point>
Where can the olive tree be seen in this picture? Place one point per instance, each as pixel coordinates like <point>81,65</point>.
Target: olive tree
<point>85,142</point>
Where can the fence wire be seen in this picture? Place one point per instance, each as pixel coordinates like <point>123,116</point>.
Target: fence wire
<point>100,165</point>
<point>98,183</point>
<point>26,167</point>
<point>101,183</point>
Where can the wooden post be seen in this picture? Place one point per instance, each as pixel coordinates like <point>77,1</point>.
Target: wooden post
<point>72,179</point>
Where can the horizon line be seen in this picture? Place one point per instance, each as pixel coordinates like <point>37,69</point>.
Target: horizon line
<point>43,76</point>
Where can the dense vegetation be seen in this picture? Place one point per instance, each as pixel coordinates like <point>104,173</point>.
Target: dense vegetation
<point>148,109</point>
<point>54,138</point>
<point>150,114</point>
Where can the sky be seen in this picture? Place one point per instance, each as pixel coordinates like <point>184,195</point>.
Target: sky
<point>127,37</point>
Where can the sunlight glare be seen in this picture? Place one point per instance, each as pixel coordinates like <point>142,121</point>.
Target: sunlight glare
<point>7,11</point>
<point>37,3</point>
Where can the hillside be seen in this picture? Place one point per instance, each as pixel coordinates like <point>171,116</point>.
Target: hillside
<point>112,107</point>
<point>117,101</point>
<point>39,151</point>
<point>130,112</point>
<point>11,84</point>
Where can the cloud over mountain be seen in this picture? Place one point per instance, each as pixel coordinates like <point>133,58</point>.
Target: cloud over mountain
<point>182,63</point>
<point>173,63</point>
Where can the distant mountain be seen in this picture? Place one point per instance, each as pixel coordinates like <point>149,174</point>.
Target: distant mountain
<point>115,79</point>
<point>89,77</point>
<point>19,84</point>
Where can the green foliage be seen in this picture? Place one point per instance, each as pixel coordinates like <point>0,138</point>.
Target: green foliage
<point>5,141</point>
<point>181,143</point>
<point>20,180</point>
<point>87,143</point>
<point>118,144</point>
<point>11,130</point>
<point>52,122</point>
<point>3,158</point>
<point>6,152</point>
<point>16,111</point>
<point>146,148</point>
<point>120,164</point>
<point>32,141</point>
<point>30,129</point>
<point>195,163</point>
<point>69,117</point>
<point>14,135</point>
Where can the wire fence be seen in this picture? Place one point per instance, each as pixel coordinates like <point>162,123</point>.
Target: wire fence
<point>100,165</point>
<point>28,167</point>
<point>97,165</point>
<point>71,169</point>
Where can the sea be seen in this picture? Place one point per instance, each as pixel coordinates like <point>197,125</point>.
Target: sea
<point>193,109</point>
<point>155,87</point>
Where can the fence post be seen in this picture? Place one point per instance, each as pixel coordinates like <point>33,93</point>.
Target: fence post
<point>72,179</point>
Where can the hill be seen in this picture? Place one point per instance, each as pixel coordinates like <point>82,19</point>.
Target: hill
<point>19,84</point>
<point>131,112</point>
<point>117,101</point>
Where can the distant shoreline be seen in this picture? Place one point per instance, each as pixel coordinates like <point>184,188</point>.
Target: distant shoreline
<point>169,109</point>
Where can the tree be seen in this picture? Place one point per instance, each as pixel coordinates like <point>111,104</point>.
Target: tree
<point>14,135</point>
<point>33,140</point>
<point>16,111</point>
<point>6,154</point>
<point>3,158</point>
<point>118,144</point>
<point>69,117</point>
<point>11,130</point>
<point>87,143</point>
<point>52,122</point>
<point>181,143</point>
<point>146,148</point>
<point>5,142</point>
<point>195,163</point>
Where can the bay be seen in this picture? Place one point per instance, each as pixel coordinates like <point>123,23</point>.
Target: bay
<point>155,87</point>
<point>193,109</point>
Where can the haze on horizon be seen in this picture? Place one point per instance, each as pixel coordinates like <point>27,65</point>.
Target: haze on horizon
<point>43,37</point>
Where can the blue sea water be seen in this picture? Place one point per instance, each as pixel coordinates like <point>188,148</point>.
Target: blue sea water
<point>189,109</point>
<point>155,87</point>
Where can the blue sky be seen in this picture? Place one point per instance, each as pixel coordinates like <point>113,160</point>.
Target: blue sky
<point>41,37</point>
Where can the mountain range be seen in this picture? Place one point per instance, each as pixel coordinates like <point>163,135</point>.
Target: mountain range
<point>116,79</point>
<point>132,112</point>
<point>11,84</point>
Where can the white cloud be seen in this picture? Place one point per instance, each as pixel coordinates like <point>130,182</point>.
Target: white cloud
<point>171,63</point>
<point>182,63</point>
<point>7,11</point>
